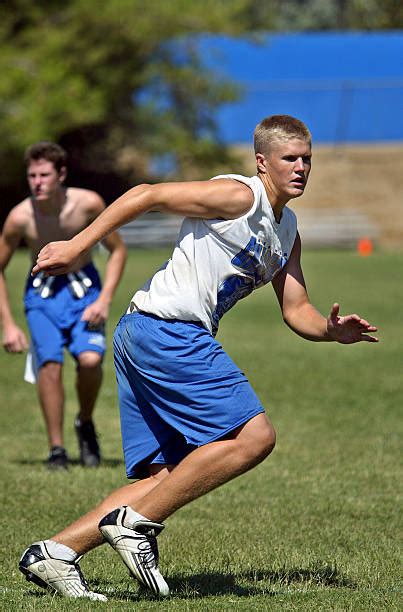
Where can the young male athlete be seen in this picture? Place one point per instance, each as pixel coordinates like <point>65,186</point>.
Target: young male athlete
<point>64,311</point>
<point>190,420</point>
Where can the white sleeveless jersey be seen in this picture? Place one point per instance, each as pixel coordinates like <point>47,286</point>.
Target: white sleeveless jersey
<point>215,263</point>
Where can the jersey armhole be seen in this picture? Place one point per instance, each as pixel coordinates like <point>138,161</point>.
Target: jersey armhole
<point>248,181</point>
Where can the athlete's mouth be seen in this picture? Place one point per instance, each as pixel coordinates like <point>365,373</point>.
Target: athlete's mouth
<point>299,182</point>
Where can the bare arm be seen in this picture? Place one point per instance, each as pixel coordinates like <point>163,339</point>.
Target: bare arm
<point>14,340</point>
<point>304,319</point>
<point>115,266</point>
<point>98,311</point>
<point>221,198</point>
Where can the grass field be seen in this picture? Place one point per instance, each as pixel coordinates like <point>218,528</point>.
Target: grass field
<point>315,527</point>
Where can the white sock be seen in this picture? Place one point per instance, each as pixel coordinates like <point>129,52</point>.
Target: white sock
<point>132,517</point>
<point>60,551</point>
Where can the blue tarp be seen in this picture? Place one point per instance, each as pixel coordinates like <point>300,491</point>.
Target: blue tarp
<point>348,87</point>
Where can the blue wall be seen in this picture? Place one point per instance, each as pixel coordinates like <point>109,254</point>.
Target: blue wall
<point>348,87</point>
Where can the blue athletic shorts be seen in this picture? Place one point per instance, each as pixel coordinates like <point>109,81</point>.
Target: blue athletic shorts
<point>55,321</point>
<point>178,390</point>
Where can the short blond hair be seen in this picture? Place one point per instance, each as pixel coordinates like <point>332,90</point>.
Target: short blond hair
<point>278,128</point>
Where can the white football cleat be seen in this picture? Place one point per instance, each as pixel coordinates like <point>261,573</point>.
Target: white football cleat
<point>65,577</point>
<point>137,546</point>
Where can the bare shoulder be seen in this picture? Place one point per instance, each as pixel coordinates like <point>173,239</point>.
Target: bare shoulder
<point>86,199</point>
<point>221,198</point>
<point>18,218</point>
<point>231,183</point>
<point>237,195</point>
<point>240,190</point>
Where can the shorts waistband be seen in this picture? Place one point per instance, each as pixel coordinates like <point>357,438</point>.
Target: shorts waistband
<point>134,310</point>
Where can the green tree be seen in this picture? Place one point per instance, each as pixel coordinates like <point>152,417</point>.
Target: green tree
<point>119,83</point>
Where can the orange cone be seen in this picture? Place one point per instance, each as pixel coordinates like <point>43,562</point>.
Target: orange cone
<point>365,247</point>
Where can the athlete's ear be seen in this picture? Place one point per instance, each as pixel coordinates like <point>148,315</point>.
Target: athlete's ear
<point>62,174</point>
<point>261,163</point>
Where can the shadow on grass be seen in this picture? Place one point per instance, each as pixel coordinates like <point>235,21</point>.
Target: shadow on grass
<point>257,582</point>
<point>73,462</point>
<point>243,584</point>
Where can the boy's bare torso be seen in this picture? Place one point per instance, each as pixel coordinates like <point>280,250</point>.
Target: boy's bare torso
<point>41,223</point>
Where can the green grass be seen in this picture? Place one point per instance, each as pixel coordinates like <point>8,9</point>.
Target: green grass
<point>315,527</point>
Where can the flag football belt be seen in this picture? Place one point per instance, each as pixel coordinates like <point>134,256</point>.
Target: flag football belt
<point>78,283</point>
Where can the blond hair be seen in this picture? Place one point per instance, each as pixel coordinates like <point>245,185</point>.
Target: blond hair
<point>278,128</point>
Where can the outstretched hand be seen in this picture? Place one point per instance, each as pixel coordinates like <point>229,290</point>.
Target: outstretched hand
<point>350,328</point>
<point>56,258</point>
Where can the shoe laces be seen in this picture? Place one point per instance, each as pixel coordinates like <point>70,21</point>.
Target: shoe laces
<point>75,568</point>
<point>148,552</point>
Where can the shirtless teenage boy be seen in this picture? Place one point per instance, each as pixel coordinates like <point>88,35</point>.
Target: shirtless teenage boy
<point>66,311</point>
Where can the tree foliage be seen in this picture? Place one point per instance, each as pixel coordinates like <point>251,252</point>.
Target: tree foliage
<point>119,83</point>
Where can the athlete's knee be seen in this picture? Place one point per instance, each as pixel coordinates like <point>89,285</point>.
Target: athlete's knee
<point>89,360</point>
<point>258,439</point>
<point>268,440</point>
<point>50,370</point>
<point>263,443</point>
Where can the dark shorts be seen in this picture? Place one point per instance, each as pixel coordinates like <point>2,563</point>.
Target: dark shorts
<point>178,390</point>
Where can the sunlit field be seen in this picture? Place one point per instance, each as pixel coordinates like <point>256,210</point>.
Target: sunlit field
<point>315,527</point>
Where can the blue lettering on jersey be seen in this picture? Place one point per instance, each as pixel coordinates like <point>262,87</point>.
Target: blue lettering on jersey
<point>258,266</point>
